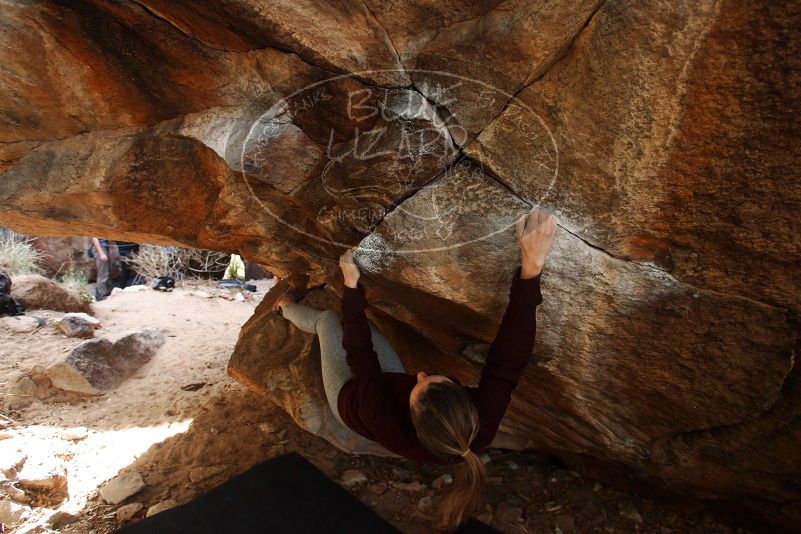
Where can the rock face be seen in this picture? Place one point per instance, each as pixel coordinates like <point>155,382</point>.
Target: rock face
<point>60,255</point>
<point>283,362</point>
<point>663,134</point>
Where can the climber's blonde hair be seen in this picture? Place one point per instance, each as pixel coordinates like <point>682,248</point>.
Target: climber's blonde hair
<point>446,421</point>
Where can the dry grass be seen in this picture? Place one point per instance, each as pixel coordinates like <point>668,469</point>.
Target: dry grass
<point>17,256</point>
<point>153,261</point>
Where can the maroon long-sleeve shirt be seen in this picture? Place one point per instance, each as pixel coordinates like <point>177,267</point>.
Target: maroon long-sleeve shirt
<point>376,404</point>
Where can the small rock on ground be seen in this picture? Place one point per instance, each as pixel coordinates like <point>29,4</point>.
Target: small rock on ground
<point>135,289</point>
<point>160,507</point>
<point>20,391</point>
<point>628,511</point>
<point>21,324</point>
<point>508,513</point>
<point>552,506</point>
<point>80,325</point>
<point>199,474</point>
<point>63,376</point>
<point>127,512</point>
<point>413,486</point>
<point>75,434</point>
<point>99,365</point>
<point>44,476</point>
<point>379,488</point>
<point>424,504</point>
<point>351,477</point>
<point>121,487</point>
<point>566,523</point>
<point>11,512</point>
<point>15,494</point>
<point>442,481</point>
<point>61,519</point>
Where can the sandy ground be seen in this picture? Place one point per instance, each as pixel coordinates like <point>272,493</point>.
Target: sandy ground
<point>186,427</point>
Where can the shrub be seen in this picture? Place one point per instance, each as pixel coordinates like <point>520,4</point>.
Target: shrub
<point>17,256</point>
<point>153,261</point>
<point>76,279</point>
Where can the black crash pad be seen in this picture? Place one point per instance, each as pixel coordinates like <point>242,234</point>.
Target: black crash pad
<point>286,494</point>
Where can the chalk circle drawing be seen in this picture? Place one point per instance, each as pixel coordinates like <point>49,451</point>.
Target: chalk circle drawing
<point>440,136</point>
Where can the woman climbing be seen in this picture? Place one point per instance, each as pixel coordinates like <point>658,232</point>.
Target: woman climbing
<point>429,418</point>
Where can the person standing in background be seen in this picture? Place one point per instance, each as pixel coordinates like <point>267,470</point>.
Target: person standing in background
<point>106,260</point>
<point>128,276</point>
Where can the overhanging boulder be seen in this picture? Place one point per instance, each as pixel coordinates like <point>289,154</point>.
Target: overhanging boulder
<point>662,134</point>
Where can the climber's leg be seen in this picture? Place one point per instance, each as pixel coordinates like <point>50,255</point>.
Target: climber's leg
<point>301,316</point>
<point>333,360</point>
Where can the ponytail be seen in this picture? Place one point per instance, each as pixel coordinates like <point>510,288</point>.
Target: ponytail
<point>465,494</point>
<point>446,421</point>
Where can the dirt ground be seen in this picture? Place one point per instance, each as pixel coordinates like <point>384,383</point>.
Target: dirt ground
<point>185,427</point>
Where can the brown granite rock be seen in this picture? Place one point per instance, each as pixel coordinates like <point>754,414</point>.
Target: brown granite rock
<point>679,158</point>
<point>282,362</point>
<point>473,68</point>
<point>99,365</point>
<point>60,255</point>
<point>629,360</point>
<point>39,293</point>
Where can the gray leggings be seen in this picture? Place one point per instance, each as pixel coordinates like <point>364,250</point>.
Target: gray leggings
<point>335,368</point>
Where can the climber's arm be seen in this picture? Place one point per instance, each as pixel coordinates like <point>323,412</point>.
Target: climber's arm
<point>508,355</point>
<point>99,252</point>
<point>356,336</point>
<point>376,403</point>
<point>511,350</point>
